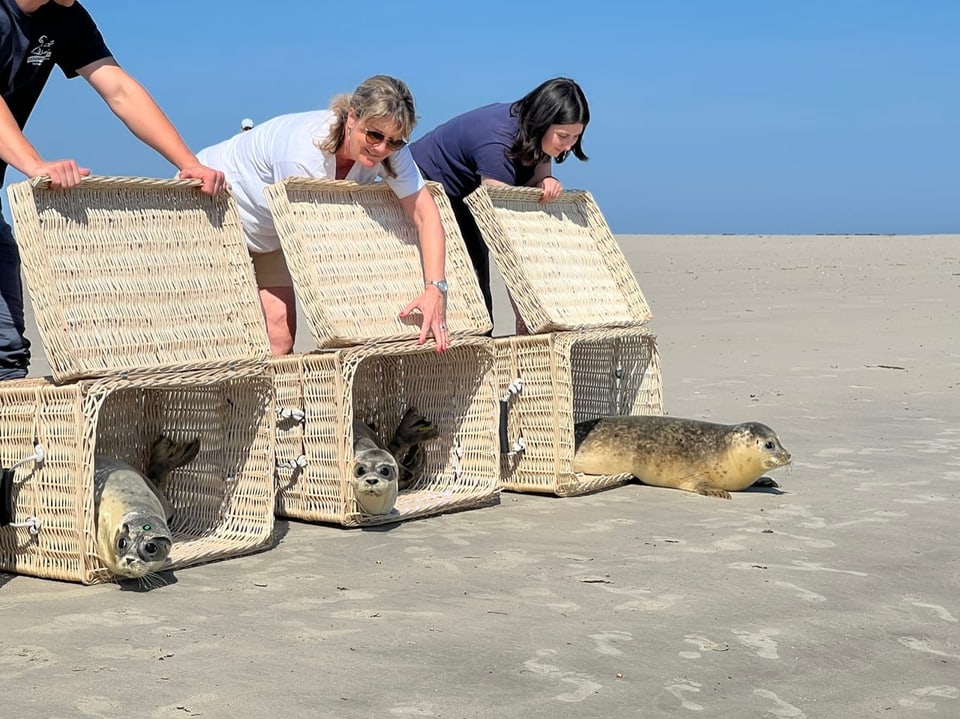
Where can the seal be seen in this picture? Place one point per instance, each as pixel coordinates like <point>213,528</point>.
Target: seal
<point>703,457</point>
<point>381,470</point>
<point>132,510</point>
<point>375,471</point>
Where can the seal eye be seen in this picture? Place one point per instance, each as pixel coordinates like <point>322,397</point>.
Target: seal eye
<point>150,548</point>
<point>123,543</point>
<point>384,471</point>
<point>359,471</point>
<point>768,444</point>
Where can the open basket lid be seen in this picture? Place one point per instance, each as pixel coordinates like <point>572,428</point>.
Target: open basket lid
<point>137,275</point>
<point>559,260</point>
<point>354,256</point>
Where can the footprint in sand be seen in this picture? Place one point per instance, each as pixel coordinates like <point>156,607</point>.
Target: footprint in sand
<point>606,640</point>
<point>941,612</point>
<point>761,641</point>
<point>783,710</point>
<point>921,698</point>
<point>685,687</point>
<point>582,684</point>
<point>703,644</point>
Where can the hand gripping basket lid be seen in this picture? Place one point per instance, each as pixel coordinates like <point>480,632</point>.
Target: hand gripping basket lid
<point>559,260</point>
<point>138,276</point>
<point>355,260</point>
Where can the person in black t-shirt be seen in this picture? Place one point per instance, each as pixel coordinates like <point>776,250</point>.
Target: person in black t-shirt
<point>35,35</point>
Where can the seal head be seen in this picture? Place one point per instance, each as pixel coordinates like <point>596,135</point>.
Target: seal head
<point>132,509</point>
<point>375,472</point>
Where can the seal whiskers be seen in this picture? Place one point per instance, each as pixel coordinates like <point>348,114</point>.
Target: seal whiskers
<point>703,457</point>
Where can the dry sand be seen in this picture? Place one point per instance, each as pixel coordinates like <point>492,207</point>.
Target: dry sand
<point>837,597</point>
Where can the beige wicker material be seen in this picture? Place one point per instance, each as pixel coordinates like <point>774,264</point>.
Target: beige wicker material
<point>560,262</point>
<point>377,385</point>
<point>137,274</point>
<point>355,261</point>
<point>223,500</point>
<point>569,377</point>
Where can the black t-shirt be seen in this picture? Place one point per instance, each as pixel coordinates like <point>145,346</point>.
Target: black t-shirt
<point>31,44</point>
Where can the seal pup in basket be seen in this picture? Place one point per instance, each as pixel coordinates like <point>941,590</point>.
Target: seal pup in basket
<point>132,510</point>
<point>381,471</point>
<point>703,457</point>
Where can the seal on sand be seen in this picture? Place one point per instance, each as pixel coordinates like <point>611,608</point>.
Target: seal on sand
<point>702,457</point>
<point>132,511</point>
<point>379,470</point>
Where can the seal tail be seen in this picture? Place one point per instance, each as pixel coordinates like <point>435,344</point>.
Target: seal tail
<point>166,455</point>
<point>413,429</point>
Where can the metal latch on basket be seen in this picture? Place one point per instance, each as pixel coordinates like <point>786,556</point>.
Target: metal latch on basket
<point>7,476</point>
<point>513,389</point>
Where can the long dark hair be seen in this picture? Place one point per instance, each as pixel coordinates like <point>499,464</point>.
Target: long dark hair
<point>559,101</point>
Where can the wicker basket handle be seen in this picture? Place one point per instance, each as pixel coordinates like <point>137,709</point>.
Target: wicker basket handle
<point>43,182</point>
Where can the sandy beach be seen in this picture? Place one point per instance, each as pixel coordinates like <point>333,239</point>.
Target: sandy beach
<point>837,595</point>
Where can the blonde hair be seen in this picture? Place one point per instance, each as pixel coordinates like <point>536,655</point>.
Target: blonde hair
<point>380,97</point>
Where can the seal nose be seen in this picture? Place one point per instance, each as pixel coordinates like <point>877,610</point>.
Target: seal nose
<point>372,481</point>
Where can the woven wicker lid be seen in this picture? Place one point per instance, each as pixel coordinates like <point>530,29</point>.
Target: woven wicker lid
<point>137,275</point>
<point>355,260</point>
<point>559,260</point>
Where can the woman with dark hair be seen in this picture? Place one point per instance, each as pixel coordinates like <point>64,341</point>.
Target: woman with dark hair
<point>504,144</point>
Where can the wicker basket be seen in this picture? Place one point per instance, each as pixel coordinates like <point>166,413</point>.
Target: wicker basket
<point>560,262</point>
<point>223,500</point>
<point>549,382</point>
<point>355,261</point>
<point>319,394</point>
<point>137,275</point>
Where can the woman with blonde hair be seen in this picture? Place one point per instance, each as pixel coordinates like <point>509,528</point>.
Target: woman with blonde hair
<point>362,137</point>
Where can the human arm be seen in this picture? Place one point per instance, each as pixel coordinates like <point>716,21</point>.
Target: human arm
<point>17,152</point>
<point>422,210</point>
<point>545,181</point>
<point>130,102</point>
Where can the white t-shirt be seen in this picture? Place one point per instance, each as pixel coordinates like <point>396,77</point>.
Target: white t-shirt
<point>287,146</point>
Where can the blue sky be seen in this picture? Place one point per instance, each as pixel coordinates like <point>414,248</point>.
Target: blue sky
<point>709,116</point>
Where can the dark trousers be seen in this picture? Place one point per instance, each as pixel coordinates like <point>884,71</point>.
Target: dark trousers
<point>479,254</point>
<point>14,347</point>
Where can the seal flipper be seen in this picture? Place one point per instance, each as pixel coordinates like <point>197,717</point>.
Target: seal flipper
<point>704,486</point>
<point>413,430</point>
<point>166,456</point>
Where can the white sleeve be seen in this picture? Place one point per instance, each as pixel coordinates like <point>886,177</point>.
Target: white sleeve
<point>408,179</point>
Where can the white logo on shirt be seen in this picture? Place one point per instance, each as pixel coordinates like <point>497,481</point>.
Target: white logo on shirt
<point>42,52</point>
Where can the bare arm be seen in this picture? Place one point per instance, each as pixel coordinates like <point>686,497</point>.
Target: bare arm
<point>17,152</point>
<point>130,101</point>
<point>422,210</point>
<point>541,178</point>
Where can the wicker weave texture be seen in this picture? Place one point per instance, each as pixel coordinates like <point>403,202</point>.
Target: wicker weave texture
<point>134,273</point>
<point>377,384</point>
<point>565,378</point>
<point>223,499</point>
<point>560,262</point>
<point>355,261</point>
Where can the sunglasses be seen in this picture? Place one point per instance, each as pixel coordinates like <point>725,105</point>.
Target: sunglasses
<point>375,137</point>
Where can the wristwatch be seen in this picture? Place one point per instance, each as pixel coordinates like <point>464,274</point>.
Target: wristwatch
<point>439,284</point>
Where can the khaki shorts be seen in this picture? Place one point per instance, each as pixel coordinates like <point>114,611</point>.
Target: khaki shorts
<point>271,269</point>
